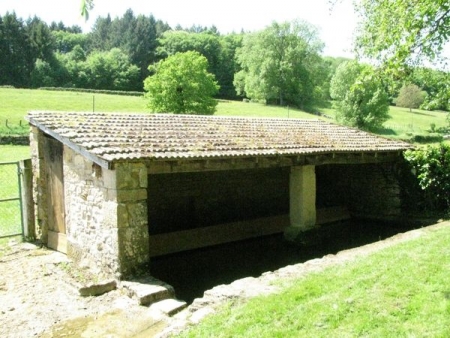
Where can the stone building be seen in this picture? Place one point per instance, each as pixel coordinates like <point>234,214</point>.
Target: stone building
<point>114,190</point>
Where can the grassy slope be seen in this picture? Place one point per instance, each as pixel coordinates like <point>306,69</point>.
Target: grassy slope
<point>11,153</point>
<point>17,102</point>
<point>402,291</point>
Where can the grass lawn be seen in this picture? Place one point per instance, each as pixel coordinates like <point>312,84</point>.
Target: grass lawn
<point>404,122</point>
<point>402,291</point>
<point>12,153</point>
<point>10,222</point>
<point>16,103</point>
<point>250,109</point>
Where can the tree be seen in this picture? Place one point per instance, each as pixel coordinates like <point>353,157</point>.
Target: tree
<point>360,97</point>
<point>436,84</point>
<point>278,63</point>
<point>111,70</point>
<point>398,32</point>
<point>136,36</point>
<point>181,84</point>
<point>410,96</point>
<point>218,50</point>
<point>16,58</point>
<point>66,41</point>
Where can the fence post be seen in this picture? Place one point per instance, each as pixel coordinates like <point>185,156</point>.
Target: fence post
<point>28,216</point>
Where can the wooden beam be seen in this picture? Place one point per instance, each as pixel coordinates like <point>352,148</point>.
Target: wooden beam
<point>163,244</point>
<point>28,215</point>
<point>57,241</point>
<point>165,166</point>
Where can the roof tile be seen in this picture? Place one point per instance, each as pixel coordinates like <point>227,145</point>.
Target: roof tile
<point>114,136</point>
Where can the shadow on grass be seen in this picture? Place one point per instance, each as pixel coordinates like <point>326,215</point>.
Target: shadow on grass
<point>384,131</point>
<point>415,112</point>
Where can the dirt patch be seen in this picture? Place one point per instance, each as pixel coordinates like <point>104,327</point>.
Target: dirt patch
<point>39,297</point>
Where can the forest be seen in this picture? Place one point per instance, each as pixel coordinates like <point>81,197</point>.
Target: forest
<point>282,64</point>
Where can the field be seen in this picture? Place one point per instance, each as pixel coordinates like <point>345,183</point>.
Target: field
<point>17,102</point>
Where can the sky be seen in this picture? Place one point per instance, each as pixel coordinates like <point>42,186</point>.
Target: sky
<point>336,25</point>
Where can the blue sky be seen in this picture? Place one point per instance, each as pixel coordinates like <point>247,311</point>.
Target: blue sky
<point>336,25</point>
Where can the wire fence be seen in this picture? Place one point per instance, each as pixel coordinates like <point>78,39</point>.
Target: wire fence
<point>10,202</point>
<point>403,127</point>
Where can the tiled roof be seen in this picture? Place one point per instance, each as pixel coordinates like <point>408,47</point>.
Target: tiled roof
<point>117,136</point>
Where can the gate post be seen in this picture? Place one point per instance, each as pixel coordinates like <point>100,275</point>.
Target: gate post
<point>28,216</point>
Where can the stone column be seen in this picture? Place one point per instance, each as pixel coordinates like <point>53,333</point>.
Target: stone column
<point>302,194</point>
<point>132,217</point>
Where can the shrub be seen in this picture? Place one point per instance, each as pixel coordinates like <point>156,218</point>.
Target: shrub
<point>431,166</point>
<point>94,91</point>
<point>426,138</point>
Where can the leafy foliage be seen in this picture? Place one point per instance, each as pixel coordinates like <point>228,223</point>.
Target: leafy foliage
<point>86,6</point>
<point>111,70</point>
<point>218,50</point>
<point>182,85</point>
<point>281,64</point>
<point>401,31</point>
<point>360,97</point>
<point>431,165</point>
<point>436,84</point>
<point>410,96</point>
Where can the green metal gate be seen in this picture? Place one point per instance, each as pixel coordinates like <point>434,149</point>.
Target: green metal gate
<point>11,219</point>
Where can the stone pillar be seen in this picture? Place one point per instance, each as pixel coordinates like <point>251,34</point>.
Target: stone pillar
<point>132,217</point>
<point>302,206</point>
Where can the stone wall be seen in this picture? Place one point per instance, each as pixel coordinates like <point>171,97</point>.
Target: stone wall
<point>368,190</point>
<point>191,200</point>
<point>106,215</point>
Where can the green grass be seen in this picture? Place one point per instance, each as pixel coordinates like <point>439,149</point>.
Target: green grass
<point>402,291</point>
<point>10,211</point>
<point>11,153</point>
<point>16,103</point>
<point>10,222</point>
<point>404,123</point>
<point>250,109</point>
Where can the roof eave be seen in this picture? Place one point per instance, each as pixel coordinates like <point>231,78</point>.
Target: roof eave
<point>101,162</point>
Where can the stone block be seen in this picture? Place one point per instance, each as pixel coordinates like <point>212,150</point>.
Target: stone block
<point>109,179</point>
<point>148,291</point>
<point>133,247</point>
<point>122,215</point>
<point>97,289</point>
<point>143,178</point>
<point>131,195</point>
<point>137,214</point>
<point>169,307</point>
